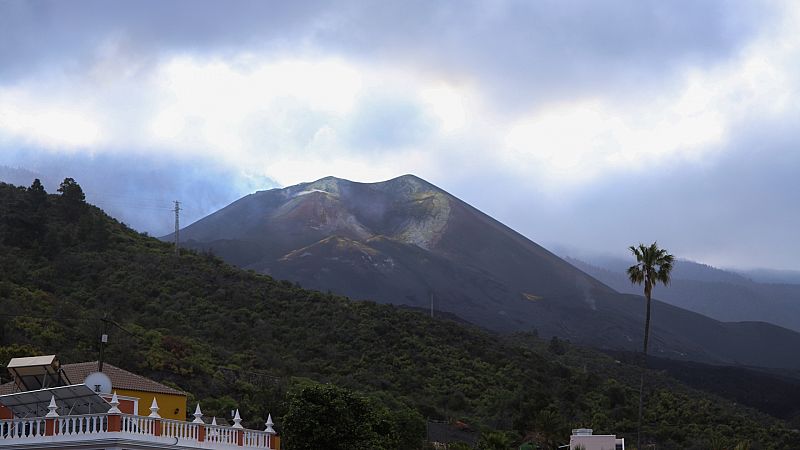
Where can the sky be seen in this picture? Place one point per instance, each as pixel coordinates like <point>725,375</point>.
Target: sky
<point>585,125</point>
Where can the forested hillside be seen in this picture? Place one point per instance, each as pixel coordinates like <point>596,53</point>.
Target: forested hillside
<point>236,338</point>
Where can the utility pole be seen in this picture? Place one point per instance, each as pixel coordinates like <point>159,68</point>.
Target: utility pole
<point>103,342</point>
<point>177,226</point>
<point>431,305</point>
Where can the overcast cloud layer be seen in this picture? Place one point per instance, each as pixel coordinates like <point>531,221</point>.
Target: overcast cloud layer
<point>582,124</point>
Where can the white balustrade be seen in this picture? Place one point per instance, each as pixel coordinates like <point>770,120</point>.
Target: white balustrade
<point>81,425</point>
<point>221,435</point>
<point>21,428</point>
<point>180,429</point>
<point>138,424</point>
<point>256,439</point>
<point>95,426</point>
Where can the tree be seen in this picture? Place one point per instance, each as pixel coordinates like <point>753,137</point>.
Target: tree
<point>556,346</point>
<point>36,194</point>
<point>72,199</point>
<point>326,416</point>
<point>25,223</point>
<point>494,440</point>
<point>71,191</point>
<point>653,266</point>
<point>549,425</point>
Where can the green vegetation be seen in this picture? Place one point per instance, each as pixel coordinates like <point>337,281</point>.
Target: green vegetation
<point>234,338</point>
<point>494,440</point>
<point>326,416</point>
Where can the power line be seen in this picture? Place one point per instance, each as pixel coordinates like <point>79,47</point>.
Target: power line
<point>115,205</point>
<point>105,194</point>
<point>127,196</point>
<point>41,317</point>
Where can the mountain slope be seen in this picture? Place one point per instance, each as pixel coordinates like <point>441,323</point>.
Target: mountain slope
<point>773,276</point>
<point>403,239</point>
<point>238,339</point>
<point>407,242</point>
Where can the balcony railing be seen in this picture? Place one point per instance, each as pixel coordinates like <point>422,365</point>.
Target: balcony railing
<point>153,429</point>
<point>96,426</point>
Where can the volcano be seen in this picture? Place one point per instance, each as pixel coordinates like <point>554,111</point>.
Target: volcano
<point>407,242</point>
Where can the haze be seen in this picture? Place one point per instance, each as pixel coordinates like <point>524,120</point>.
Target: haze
<point>584,125</point>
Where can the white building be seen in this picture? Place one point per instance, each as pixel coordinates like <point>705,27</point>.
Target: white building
<point>582,438</point>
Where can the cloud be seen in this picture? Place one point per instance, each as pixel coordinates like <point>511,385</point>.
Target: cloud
<point>137,189</point>
<point>578,109</point>
<point>523,50</point>
<point>736,212</point>
<point>246,111</point>
<point>53,124</point>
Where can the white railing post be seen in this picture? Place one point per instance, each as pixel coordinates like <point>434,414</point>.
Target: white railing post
<point>156,418</point>
<point>237,426</point>
<point>114,415</point>
<point>201,426</point>
<point>213,432</point>
<point>269,430</point>
<point>50,418</point>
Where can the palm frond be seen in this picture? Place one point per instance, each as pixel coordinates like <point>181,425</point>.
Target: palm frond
<point>635,274</point>
<point>665,264</point>
<point>637,252</point>
<point>654,265</point>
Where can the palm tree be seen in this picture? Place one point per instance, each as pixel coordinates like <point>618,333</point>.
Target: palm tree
<point>494,440</point>
<point>548,424</point>
<point>653,266</point>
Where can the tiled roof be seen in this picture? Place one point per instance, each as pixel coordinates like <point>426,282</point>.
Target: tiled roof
<point>8,388</point>
<point>120,379</point>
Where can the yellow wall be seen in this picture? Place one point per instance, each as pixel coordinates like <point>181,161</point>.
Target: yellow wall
<point>167,403</point>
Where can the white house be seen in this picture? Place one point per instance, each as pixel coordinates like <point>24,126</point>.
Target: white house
<point>582,438</point>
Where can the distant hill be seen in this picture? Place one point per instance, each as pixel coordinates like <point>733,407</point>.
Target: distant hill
<point>720,294</point>
<point>773,276</point>
<point>236,339</point>
<point>407,242</point>
<point>17,175</point>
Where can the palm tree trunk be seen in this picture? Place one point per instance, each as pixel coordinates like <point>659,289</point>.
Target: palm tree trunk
<point>646,328</point>
<point>641,404</point>
<point>647,291</point>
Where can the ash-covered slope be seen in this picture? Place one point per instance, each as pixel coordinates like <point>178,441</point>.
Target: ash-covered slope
<point>405,241</point>
<point>400,241</point>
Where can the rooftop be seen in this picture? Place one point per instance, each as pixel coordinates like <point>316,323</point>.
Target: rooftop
<point>32,361</point>
<point>120,379</point>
